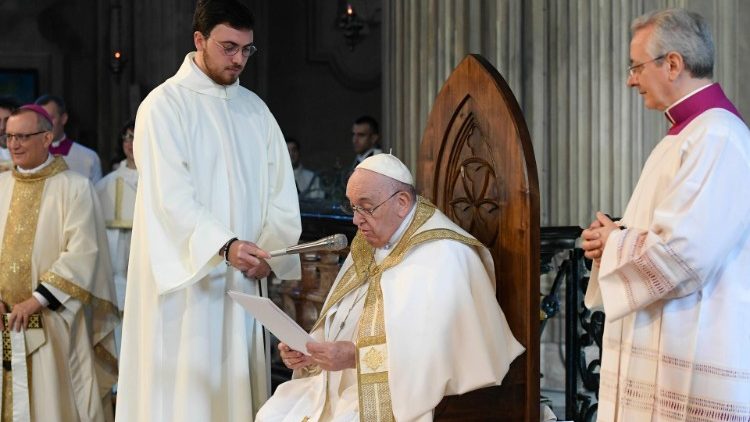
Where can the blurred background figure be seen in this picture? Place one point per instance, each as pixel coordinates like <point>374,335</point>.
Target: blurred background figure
<point>308,182</point>
<point>117,195</point>
<point>365,137</point>
<point>7,105</point>
<point>78,157</point>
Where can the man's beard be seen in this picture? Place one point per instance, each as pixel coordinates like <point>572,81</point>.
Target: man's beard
<point>214,71</point>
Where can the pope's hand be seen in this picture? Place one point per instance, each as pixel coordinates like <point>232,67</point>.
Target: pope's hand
<point>19,316</point>
<point>292,358</point>
<point>333,356</point>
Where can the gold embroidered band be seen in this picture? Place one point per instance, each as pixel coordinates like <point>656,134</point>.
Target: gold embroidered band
<point>35,322</point>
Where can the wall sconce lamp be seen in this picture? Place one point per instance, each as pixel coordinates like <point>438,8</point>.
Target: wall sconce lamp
<point>116,59</point>
<point>117,62</point>
<point>351,25</point>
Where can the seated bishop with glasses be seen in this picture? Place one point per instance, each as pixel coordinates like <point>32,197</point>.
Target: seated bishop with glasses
<point>411,317</point>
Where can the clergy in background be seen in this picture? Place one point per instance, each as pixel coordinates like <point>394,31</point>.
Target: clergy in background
<point>672,275</point>
<point>56,282</point>
<point>117,195</point>
<point>79,158</point>
<point>308,182</point>
<point>411,317</point>
<point>215,190</point>
<point>365,139</point>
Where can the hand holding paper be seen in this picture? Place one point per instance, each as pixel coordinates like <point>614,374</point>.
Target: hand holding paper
<point>292,358</point>
<point>334,356</point>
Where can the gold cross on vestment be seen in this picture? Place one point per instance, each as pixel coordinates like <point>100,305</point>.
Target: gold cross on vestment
<point>14,267</point>
<point>19,228</point>
<point>373,359</point>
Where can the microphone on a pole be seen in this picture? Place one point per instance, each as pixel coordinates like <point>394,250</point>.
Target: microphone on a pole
<point>334,242</point>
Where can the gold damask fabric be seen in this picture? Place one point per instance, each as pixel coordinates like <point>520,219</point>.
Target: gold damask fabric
<point>20,230</point>
<point>372,358</point>
<point>76,291</point>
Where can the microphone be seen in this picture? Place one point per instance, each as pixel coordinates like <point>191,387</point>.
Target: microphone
<point>334,242</point>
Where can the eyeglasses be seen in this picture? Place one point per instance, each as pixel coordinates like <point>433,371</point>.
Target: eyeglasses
<point>350,209</point>
<point>637,68</point>
<point>128,136</point>
<point>230,49</point>
<point>21,137</point>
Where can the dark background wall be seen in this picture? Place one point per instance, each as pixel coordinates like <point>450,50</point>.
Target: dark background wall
<point>58,40</point>
<point>313,83</point>
<point>317,86</point>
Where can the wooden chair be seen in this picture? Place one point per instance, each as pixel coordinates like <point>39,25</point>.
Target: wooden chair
<point>476,163</point>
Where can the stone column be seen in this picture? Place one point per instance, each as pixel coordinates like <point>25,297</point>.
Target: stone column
<point>566,62</point>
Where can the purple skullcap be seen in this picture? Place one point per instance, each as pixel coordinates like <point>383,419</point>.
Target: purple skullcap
<point>38,110</point>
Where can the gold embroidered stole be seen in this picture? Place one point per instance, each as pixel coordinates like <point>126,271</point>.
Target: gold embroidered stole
<point>371,353</point>
<point>20,229</point>
<point>371,341</point>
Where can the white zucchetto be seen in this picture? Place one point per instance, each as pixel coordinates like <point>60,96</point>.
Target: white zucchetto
<point>388,165</point>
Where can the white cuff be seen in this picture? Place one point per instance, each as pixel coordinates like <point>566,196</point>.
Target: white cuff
<point>40,297</point>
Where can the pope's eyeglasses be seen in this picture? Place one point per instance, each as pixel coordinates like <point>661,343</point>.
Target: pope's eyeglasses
<point>350,209</point>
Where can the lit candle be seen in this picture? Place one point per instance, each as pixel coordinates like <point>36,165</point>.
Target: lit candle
<point>349,9</point>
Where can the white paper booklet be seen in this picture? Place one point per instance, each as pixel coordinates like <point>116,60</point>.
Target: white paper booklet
<point>274,319</point>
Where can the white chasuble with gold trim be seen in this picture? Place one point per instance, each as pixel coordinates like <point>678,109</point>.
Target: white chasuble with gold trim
<point>412,311</point>
<point>52,233</point>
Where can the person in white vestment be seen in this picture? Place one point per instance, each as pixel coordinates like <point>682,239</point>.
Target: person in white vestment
<point>56,284</point>
<point>215,191</point>
<point>671,275</point>
<point>7,105</point>
<point>411,317</point>
<point>117,196</point>
<point>308,182</point>
<point>79,158</point>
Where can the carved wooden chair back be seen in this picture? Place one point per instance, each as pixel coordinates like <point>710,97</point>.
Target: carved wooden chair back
<point>476,163</point>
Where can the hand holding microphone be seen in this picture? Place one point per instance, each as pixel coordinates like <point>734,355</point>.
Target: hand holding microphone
<point>249,258</point>
<point>334,242</point>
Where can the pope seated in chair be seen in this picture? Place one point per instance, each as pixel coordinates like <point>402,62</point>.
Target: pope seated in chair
<point>411,317</point>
